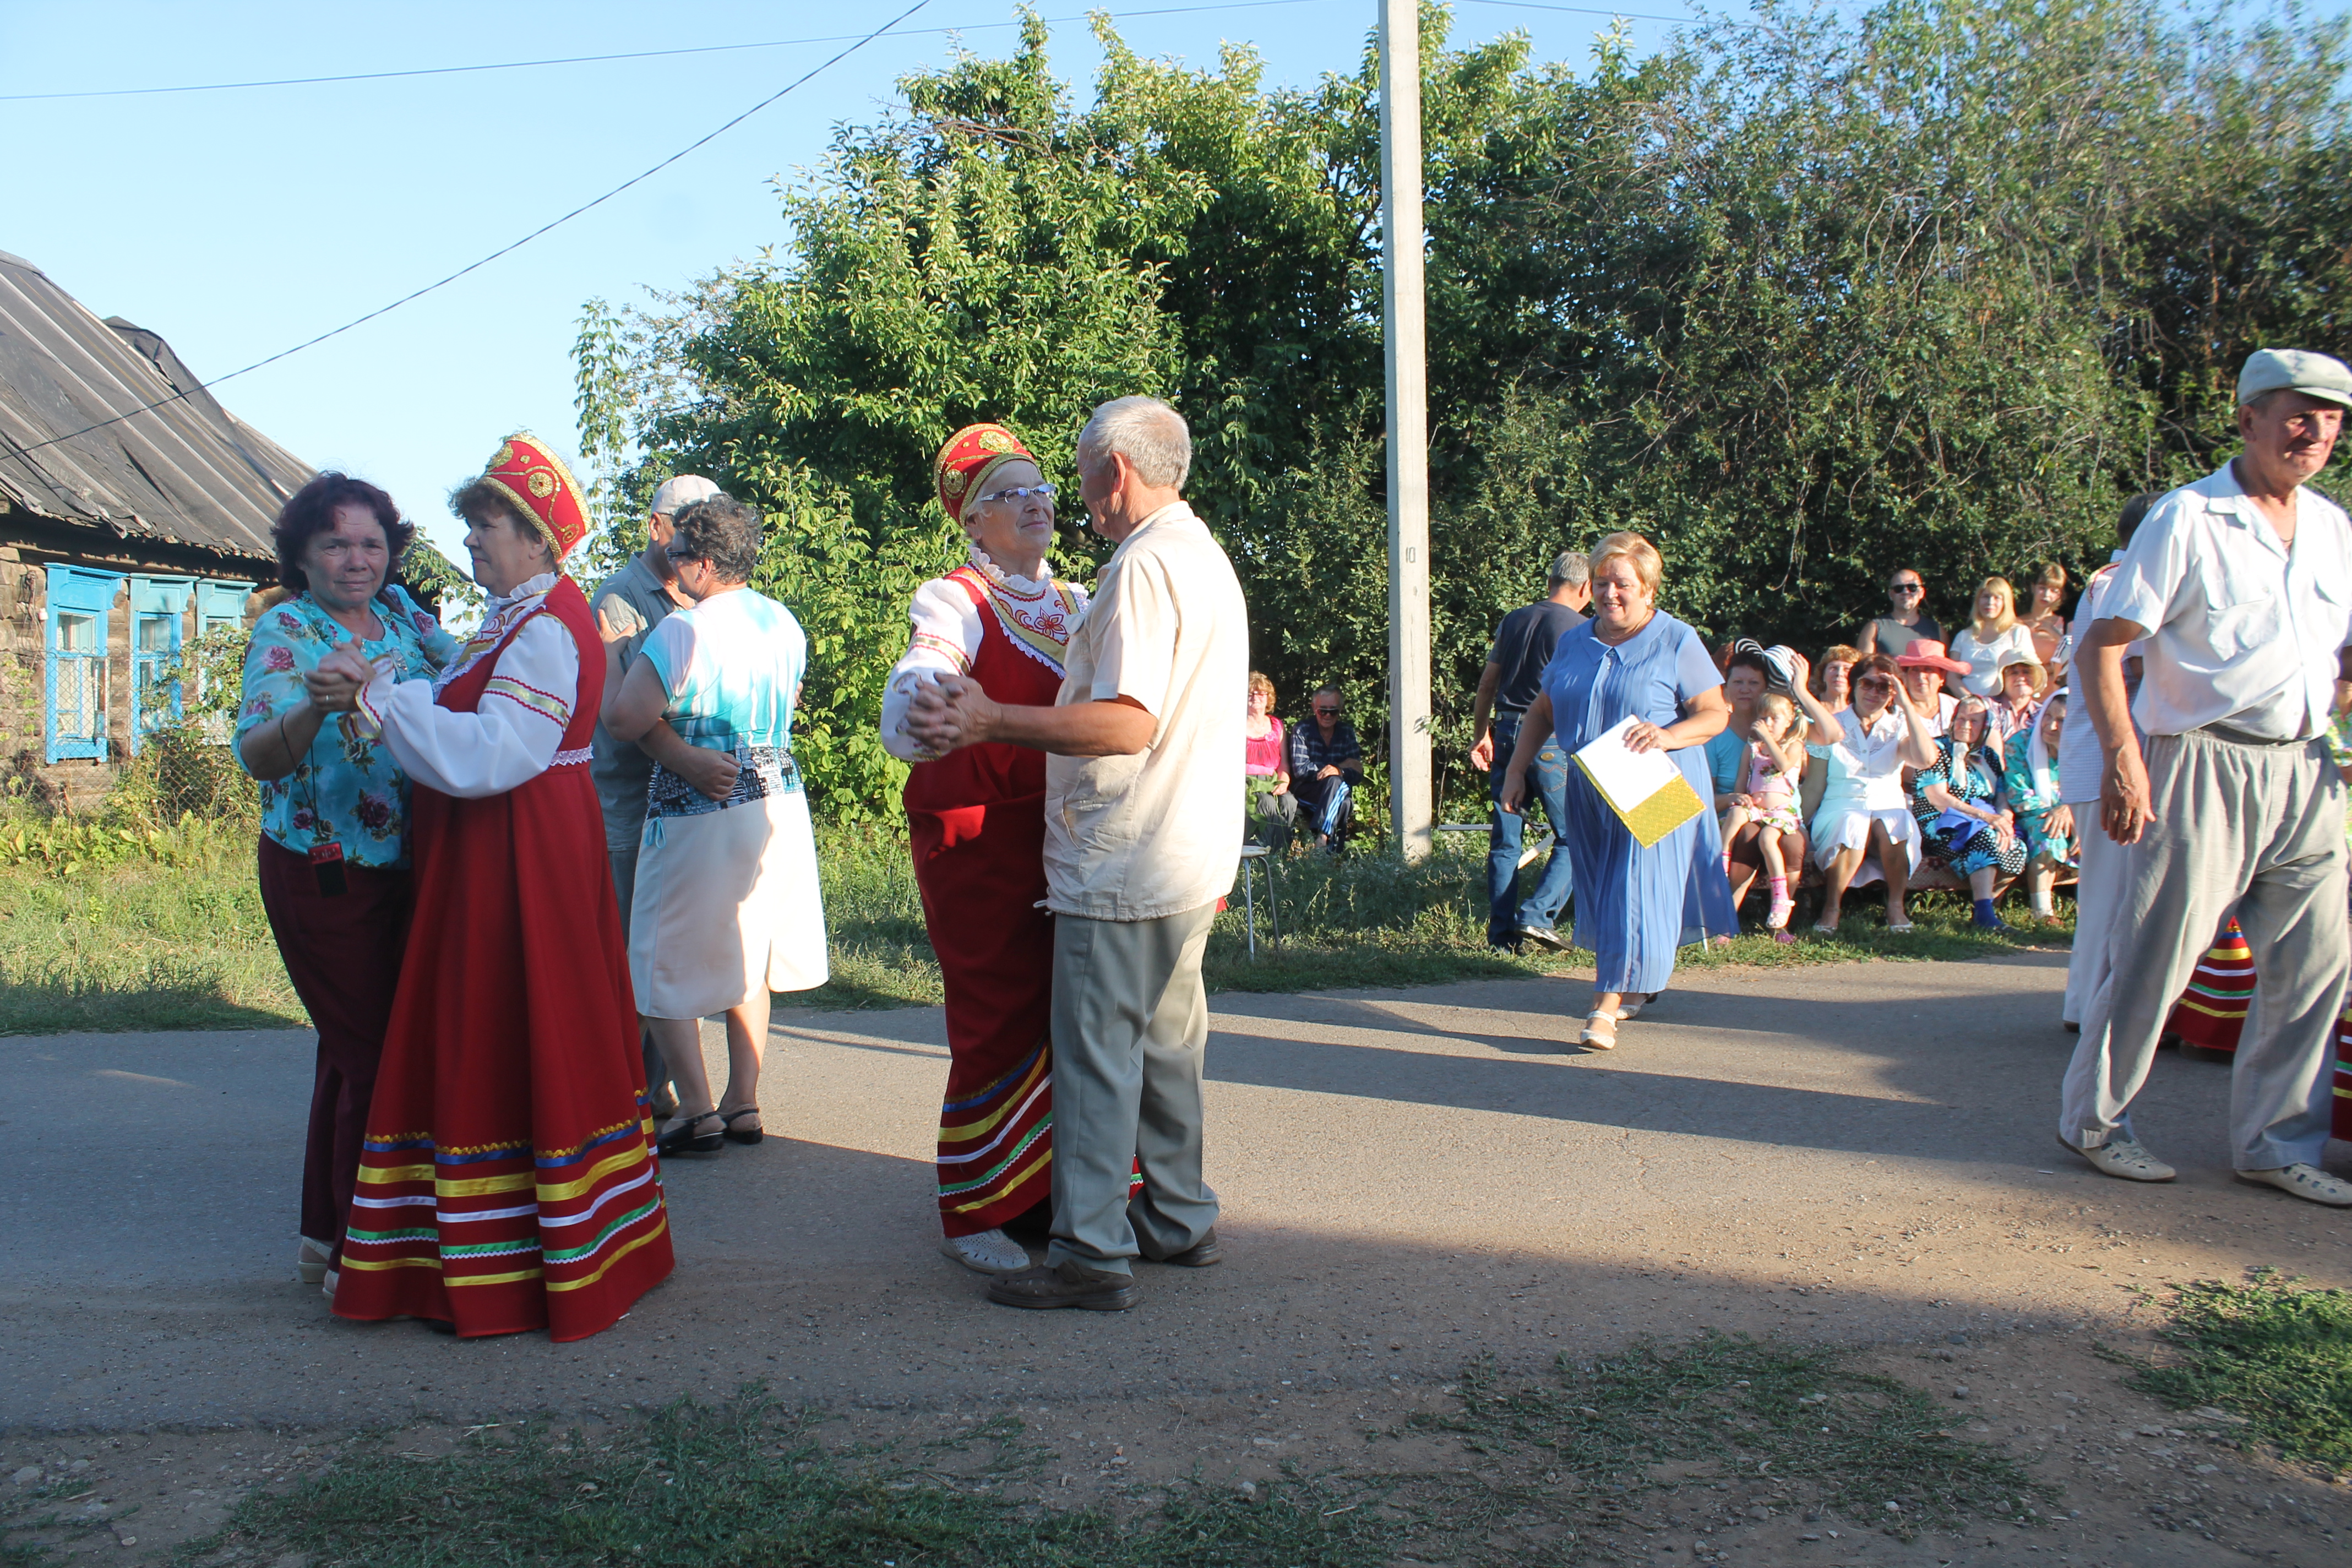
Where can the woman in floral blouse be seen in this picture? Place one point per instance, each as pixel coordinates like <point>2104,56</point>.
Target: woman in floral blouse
<point>334,810</point>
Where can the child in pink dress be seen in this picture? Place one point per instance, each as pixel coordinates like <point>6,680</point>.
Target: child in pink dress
<point>1776,760</point>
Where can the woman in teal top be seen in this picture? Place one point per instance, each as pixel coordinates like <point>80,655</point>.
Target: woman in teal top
<point>726,908</point>
<point>334,810</point>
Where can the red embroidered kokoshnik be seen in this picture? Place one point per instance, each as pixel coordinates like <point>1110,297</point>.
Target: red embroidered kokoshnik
<point>508,1180</point>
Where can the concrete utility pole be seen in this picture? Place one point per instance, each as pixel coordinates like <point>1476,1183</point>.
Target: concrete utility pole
<point>1402,313</point>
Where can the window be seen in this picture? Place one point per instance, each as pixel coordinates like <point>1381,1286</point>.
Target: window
<point>220,628</point>
<point>74,679</point>
<point>159,607</point>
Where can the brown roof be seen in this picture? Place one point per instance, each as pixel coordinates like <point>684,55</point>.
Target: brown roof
<point>188,471</point>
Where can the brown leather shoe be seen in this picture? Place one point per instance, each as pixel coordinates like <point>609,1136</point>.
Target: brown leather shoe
<point>1063,1285</point>
<point>1203,1254</point>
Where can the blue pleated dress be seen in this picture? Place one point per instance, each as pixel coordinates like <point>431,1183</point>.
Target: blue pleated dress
<point>1634,906</point>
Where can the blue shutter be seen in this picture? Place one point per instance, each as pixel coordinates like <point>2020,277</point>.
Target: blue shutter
<point>81,603</point>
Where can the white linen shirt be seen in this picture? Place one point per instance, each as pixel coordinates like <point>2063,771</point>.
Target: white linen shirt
<point>1874,758</point>
<point>2242,631</point>
<point>947,639</point>
<point>1144,836</point>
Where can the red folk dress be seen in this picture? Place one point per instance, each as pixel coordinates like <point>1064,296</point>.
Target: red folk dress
<point>977,821</point>
<point>2212,1014</point>
<point>508,1180</point>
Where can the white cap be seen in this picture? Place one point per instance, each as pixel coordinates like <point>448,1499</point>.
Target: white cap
<point>2294,370</point>
<point>676,495</point>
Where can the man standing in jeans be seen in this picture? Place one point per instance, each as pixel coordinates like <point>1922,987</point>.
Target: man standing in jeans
<point>1513,676</point>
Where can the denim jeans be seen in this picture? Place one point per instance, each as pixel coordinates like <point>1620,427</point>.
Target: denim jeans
<point>1547,782</point>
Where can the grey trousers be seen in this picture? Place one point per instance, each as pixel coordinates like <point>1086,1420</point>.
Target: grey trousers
<point>1131,1019</point>
<point>2261,827</point>
<point>2098,891</point>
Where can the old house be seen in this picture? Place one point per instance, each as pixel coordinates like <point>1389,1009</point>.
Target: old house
<point>134,515</point>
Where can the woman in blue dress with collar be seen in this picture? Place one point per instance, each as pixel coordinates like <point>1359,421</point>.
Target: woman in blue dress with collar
<point>1630,659</point>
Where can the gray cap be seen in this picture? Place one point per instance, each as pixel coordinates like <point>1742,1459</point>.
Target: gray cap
<point>676,495</point>
<point>2294,370</point>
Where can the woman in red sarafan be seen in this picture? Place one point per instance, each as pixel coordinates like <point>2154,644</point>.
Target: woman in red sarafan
<point>977,821</point>
<point>506,1180</point>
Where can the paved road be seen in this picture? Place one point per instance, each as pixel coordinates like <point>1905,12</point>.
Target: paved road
<point>1409,1177</point>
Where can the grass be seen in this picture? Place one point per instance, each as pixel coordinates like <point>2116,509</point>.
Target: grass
<point>746,1482</point>
<point>1719,1425</point>
<point>1755,1424</point>
<point>2277,1357</point>
<point>127,925</point>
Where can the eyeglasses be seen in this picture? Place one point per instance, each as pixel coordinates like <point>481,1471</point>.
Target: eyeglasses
<point>680,557</point>
<point>1873,683</point>
<point>1906,588</point>
<point>1323,712</point>
<point>1022,492</point>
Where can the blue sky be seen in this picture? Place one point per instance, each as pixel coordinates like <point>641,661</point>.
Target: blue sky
<point>237,222</point>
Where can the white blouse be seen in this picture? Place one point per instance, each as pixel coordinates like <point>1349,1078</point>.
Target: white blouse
<point>1984,659</point>
<point>514,732</point>
<point>946,639</point>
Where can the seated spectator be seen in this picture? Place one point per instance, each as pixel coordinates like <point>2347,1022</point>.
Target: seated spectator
<point>1326,766</point>
<point>1991,639</point>
<point>1905,621</point>
<point>1959,801</point>
<point>2040,618</point>
<point>1863,831</point>
<point>1743,683</point>
<point>2018,701</point>
<point>1766,802</point>
<point>1273,810</point>
<point>1923,669</point>
<point>1832,681</point>
<point>2045,821</point>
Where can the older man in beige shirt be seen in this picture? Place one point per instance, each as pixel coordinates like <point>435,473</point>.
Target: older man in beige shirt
<point>1143,834</point>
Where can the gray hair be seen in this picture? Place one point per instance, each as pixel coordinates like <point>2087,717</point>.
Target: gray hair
<point>1569,568</point>
<point>1145,431</point>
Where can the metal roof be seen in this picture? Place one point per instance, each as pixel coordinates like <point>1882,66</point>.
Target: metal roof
<point>189,472</point>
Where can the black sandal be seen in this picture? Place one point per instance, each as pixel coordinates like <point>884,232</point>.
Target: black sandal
<point>730,1117</point>
<point>682,1139</point>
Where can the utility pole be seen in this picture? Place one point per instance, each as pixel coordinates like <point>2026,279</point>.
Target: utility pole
<point>1407,424</point>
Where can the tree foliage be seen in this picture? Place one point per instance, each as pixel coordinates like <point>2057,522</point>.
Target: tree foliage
<point>1803,301</point>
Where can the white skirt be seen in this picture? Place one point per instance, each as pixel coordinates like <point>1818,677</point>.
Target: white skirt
<point>726,901</point>
<point>1847,827</point>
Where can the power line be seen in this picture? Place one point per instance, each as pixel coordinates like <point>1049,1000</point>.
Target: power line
<point>597,59</point>
<point>493,256</point>
<point>734,48</point>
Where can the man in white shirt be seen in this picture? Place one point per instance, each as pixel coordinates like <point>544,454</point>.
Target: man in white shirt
<point>1143,835</point>
<point>2099,884</point>
<point>2240,586</point>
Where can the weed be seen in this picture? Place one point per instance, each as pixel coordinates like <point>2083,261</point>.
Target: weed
<point>2277,1357</point>
<point>1788,1423</point>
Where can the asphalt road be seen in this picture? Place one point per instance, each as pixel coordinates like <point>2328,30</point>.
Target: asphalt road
<point>1856,1152</point>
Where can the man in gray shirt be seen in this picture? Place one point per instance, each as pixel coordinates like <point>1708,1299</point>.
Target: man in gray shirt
<point>635,599</point>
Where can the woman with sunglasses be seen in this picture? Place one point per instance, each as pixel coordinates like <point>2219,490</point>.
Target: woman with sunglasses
<point>1863,829</point>
<point>1906,620</point>
<point>976,820</point>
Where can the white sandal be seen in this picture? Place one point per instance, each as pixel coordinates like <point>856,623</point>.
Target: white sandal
<point>990,1252</point>
<point>1599,1031</point>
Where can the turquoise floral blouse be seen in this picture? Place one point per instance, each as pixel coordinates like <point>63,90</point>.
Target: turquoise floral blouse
<point>348,790</point>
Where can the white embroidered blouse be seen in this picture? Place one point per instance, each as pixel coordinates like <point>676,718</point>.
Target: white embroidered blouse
<point>947,634</point>
<point>515,731</point>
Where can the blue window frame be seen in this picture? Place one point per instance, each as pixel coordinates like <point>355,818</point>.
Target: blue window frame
<point>219,606</point>
<point>159,608</point>
<point>80,603</point>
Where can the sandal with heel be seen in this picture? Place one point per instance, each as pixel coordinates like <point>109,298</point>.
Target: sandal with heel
<point>730,1117</point>
<point>683,1139</point>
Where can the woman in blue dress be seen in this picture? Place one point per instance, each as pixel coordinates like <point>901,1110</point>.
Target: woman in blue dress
<point>1630,659</point>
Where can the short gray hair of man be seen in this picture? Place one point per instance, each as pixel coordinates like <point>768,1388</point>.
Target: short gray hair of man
<point>1569,568</point>
<point>1145,431</point>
